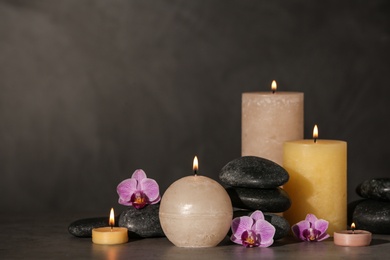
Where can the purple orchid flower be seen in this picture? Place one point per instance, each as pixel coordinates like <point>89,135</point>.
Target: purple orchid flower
<point>311,229</point>
<point>138,191</point>
<point>252,231</point>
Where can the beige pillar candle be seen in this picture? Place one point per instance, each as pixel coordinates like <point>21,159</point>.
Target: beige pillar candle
<point>318,181</point>
<point>195,211</point>
<point>268,120</point>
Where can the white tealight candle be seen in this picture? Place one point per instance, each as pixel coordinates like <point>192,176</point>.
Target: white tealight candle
<point>195,211</point>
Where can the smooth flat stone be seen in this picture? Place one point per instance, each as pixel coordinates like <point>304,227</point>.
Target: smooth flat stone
<point>253,172</point>
<point>282,227</point>
<point>351,208</point>
<point>375,189</point>
<point>373,216</point>
<point>83,227</point>
<point>266,200</point>
<point>143,222</point>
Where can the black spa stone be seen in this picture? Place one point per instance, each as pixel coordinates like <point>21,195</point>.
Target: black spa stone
<point>266,200</point>
<point>83,227</point>
<point>253,172</point>
<point>143,222</point>
<point>282,227</point>
<point>375,189</point>
<point>373,216</point>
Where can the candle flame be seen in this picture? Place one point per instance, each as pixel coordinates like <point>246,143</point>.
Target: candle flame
<point>111,222</point>
<point>195,166</point>
<point>273,86</point>
<point>353,226</point>
<point>315,133</point>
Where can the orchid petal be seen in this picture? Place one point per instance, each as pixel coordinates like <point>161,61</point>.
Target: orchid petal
<point>298,229</point>
<point>257,215</point>
<point>241,224</point>
<point>311,218</point>
<point>126,188</point>
<point>266,231</point>
<point>321,225</point>
<point>138,175</point>
<point>323,237</point>
<point>236,240</point>
<point>150,189</point>
<point>124,202</point>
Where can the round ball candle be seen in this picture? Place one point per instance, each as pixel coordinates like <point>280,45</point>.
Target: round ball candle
<point>318,180</point>
<point>352,237</point>
<point>195,211</point>
<point>110,235</point>
<point>265,118</point>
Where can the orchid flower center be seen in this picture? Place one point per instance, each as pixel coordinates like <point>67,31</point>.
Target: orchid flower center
<point>312,234</point>
<point>139,199</point>
<point>249,238</point>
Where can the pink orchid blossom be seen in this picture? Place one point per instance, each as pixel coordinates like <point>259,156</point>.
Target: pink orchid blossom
<point>252,231</point>
<point>138,191</point>
<point>311,229</point>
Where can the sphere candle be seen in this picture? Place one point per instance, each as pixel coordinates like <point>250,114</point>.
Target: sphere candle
<point>265,118</point>
<point>110,235</point>
<point>318,180</point>
<point>195,211</point>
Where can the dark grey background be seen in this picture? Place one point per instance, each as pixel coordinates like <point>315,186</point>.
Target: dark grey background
<point>92,90</point>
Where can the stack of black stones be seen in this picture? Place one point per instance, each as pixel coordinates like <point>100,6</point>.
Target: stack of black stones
<point>372,213</point>
<point>253,183</point>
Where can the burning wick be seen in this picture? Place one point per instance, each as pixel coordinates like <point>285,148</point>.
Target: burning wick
<point>195,166</point>
<point>273,86</point>
<point>353,227</point>
<point>111,222</point>
<point>315,133</point>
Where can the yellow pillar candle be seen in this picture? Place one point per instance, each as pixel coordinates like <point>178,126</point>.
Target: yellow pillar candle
<point>110,235</point>
<point>268,120</point>
<point>318,181</point>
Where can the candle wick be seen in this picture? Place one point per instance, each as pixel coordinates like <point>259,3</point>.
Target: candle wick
<point>195,172</point>
<point>273,91</point>
<point>111,227</point>
<point>315,140</point>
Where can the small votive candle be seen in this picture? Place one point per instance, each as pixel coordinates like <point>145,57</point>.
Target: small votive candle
<point>352,237</point>
<point>110,235</point>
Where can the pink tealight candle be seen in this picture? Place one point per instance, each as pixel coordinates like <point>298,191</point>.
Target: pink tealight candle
<point>352,237</point>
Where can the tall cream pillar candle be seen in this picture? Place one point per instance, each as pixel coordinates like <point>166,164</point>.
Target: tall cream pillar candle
<point>268,120</point>
<point>318,181</point>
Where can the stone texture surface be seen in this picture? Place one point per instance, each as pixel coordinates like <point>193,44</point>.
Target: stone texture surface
<point>253,172</point>
<point>378,188</point>
<point>351,208</point>
<point>143,222</point>
<point>266,200</point>
<point>83,227</point>
<point>282,227</point>
<point>373,216</point>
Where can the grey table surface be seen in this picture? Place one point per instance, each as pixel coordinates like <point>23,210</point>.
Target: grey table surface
<point>46,237</point>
